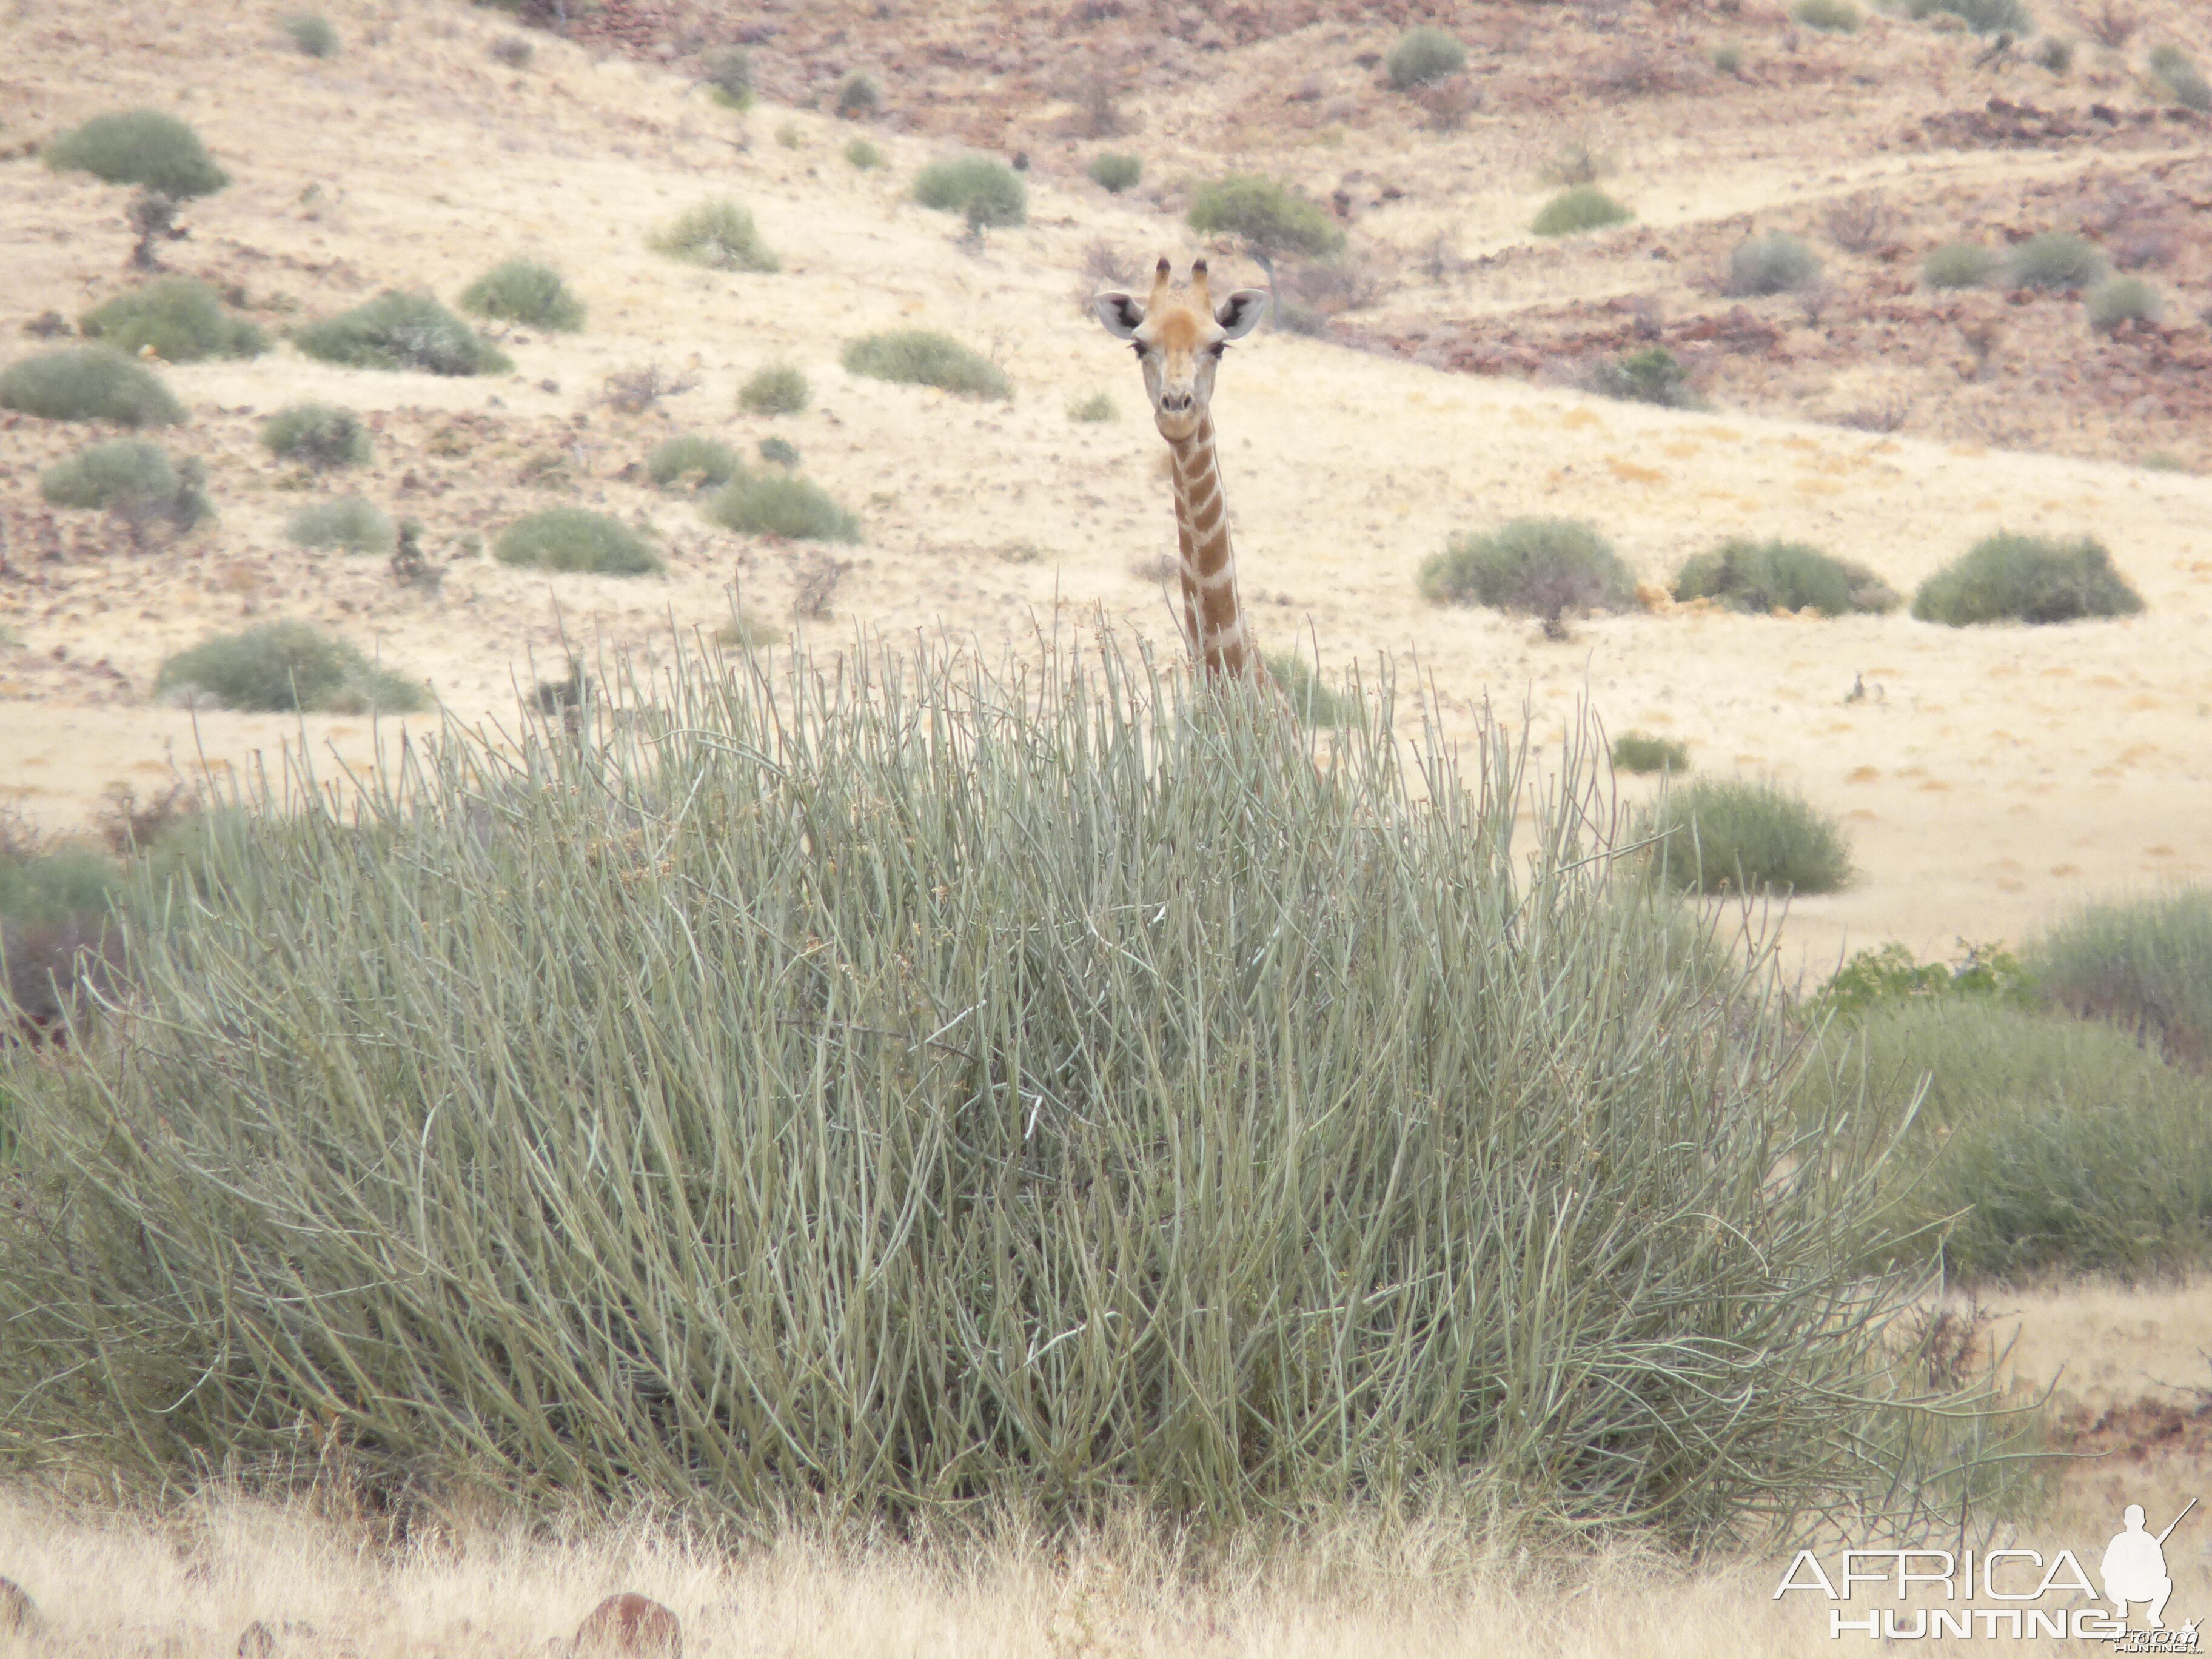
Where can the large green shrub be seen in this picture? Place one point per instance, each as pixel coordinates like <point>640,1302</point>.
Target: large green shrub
<point>89,383</point>
<point>132,478</point>
<point>1269,219</point>
<point>281,666</point>
<point>778,389</point>
<point>312,34</point>
<point>1960,265</point>
<point>2123,299</point>
<point>1740,836</point>
<point>1759,577</point>
<point>1642,752</point>
<point>399,331</point>
<point>720,235</point>
<point>1424,57</point>
<point>526,292</point>
<point>1983,16</point>
<point>2182,77</point>
<point>179,317</point>
<point>140,147</point>
<point>1829,16</point>
<point>2030,579</point>
<point>827,1096</point>
<point>574,538</point>
<point>1584,207</point>
<point>2056,261</point>
<point>1652,375</point>
<point>317,435</point>
<point>696,462</point>
<point>987,193</point>
<point>357,524</point>
<point>1545,568</point>
<point>920,356</point>
<point>764,504</point>
<point>2145,964</point>
<point>1115,172</point>
<point>1774,263</point>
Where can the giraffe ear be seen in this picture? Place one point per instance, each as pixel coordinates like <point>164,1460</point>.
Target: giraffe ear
<point>1120,313</point>
<point>1240,313</point>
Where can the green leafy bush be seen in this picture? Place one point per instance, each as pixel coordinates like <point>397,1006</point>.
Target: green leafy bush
<point>1424,57</point>
<point>1760,577</point>
<point>694,462</point>
<point>1890,974</point>
<point>761,504</point>
<point>1115,172</point>
<point>2143,964</point>
<point>89,383</point>
<point>921,357</point>
<point>778,389</point>
<point>1545,568</point>
<point>140,147</point>
<point>720,235</point>
<point>987,192</point>
<point>863,155</point>
<point>351,522</point>
<point>858,94</point>
<point>779,451</point>
<point>1269,218</point>
<point>179,317</point>
<point>1829,16</point>
<point>2054,53</point>
<point>1097,407</point>
<point>524,291</point>
<point>279,667</point>
<point>1642,752</point>
<point>1311,698</point>
<point>55,884</point>
<point>1727,57</point>
<point>1653,375</point>
<point>1742,836</point>
<point>2030,579</point>
<point>311,32</point>
<point>398,331</point>
<point>1774,263</point>
<point>1584,207</point>
<point>2183,78</point>
<point>133,478</point>
<point>1960,265</point>
<point>729,72</point>
<point>1983,16</point>
<point>572,538</point>
<point>319,435</point>
<point>2056,261</point>
<point>2123,299</point>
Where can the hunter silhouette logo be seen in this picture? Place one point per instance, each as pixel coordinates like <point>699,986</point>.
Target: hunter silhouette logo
<point>2018,1586</point>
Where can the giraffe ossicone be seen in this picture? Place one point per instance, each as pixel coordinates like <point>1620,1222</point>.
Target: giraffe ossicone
<point>1179,339</point>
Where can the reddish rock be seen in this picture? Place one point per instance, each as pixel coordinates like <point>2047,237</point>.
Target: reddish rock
<point>630,1624</point>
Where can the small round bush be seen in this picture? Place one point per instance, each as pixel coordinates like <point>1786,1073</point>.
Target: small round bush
<point>779,389</point>
<point>89,383</point>
<point>2183,78</point>
<point>863,155</point>
<point>351,522</point>
<point>2057,262</point>
<point>398,331</point>
<point>1424,57</point>
<point>513,50</point>
<point>1727,57</point>
<point>757,504</point>
<point>920,356</point>
<point>317,435</point>
<point>2123,299</point>
<point>720,235</point>
<point>1762,577</point>
<point>1094,408</point>
<point>695,462</point>
<point>311,32</point>
<point>1960,265</point>
<point>1775,263</point>
<point>1983,16</point>
<point>858,94</point>
<point>1545,568</point>
<point>2054,53</point>
<point>1115,172</point>
<point>2030,579</point>
<point>1584,207</point>
<point>1642,752</point>
<point>987,192</point>
<point>2144,964</point>
<point>1653,375</point>
<point>284,666</point>
<point>524,291</point>
<point>1266,215</point>
<point>571,538</point>
<point>133,478</point>
<point>1829,16</point>
<point>729,72</point>
<point>781,452</point>
<point>1736,835</point>
<point>140,147</point>
<point>179,317</point>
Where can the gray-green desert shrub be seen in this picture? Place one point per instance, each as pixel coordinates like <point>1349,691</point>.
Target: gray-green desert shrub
<point>1113,172</point>
<point>2144,964</point>
<point>1098,406</point>
<point>766,504</point>
<point>1653,375</point>
<point>987,194</point>
<point>351,522</point>
<point>1549,568</point>
<point>729,75</point>
<point>575,539</point>
<point>779,451</point>
<point>1983,16</point>
<point>524,291</point>
<point>858,94</point>
<point>140,147</point>
<point>133,479</point>
<point>1727,57</point>
<point>2030,579</point>
<point>1643,752</point>
<point>2123,299</point>
<point>1584,207</point>
<point>1268,218</point>
<point>2056,261</point>
<point>693,461</point>
<point>1775,263</point>
<point>1424,57</point>
<point>2054,53</point>
<point>397,331</point>
<point>863,155</point>
<point>920,356</point>
<point>720,235</point>
<point>281,666</point>
<point>1307,695</point>
<point>2182,77</point>
<point>1829,16</point>
<point>1761,577</point>
<point>179,318</point>
<point>1960,265</point>
<point>319,435</point>
<point>1744,836</point>
<point>311,32</point>
<point>89,383</point>
<point>778,389</point>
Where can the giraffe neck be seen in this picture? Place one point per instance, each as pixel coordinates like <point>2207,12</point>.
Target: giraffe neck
<point>1212,614</point>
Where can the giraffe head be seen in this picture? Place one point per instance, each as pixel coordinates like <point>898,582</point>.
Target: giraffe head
<point>1179,340</point>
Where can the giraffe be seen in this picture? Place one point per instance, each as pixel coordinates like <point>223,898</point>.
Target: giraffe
<point>1179,342</point>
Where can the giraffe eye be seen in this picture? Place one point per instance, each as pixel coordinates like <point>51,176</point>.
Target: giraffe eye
<point>1136,346</point>
<point>1219,349</point>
